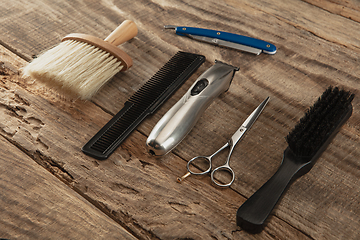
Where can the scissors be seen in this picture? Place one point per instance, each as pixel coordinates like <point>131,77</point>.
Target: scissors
<point>231,143</point>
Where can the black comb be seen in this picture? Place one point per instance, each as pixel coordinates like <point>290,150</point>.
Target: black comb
<point>306,142</point>
<point>144,102</point>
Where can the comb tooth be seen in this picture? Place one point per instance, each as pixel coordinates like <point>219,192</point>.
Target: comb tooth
<point>145,101</point>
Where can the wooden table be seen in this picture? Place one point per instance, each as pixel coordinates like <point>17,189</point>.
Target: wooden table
<point>51,190</point>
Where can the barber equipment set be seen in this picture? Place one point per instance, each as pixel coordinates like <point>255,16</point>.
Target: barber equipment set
<point>82,64</point>
<point>307,140</point>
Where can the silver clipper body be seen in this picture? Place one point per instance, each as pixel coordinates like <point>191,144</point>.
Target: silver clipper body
<point>181,118</point>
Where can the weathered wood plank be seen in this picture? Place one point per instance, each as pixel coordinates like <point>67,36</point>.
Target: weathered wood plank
<point>317,47</point>
<point>36,205</point>
<point>348,9</point>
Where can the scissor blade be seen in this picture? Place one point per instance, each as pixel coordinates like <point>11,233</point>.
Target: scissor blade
<point>255,114</point>
<point>248,122</point>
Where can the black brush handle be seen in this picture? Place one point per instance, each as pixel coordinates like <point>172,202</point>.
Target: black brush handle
<point>310,137</point>
<point>253,213</point>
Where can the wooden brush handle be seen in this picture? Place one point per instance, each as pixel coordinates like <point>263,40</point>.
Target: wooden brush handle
<point>124,32</point>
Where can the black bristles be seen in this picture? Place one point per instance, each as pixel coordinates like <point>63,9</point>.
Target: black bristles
<point>144,102</point>
<point>319,122</point>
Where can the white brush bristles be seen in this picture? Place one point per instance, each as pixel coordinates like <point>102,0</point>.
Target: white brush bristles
<point>74,68</point>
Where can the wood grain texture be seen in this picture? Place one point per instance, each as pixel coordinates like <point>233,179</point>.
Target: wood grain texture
<point>317,45</point>
<point>36,205</point>
<point>348,9</point>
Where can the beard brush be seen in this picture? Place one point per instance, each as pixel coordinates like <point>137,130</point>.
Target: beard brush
<point>306,142</point>
<point>81,64</point>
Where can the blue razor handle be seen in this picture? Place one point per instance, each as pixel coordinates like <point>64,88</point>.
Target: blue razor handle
<point>230,37</point>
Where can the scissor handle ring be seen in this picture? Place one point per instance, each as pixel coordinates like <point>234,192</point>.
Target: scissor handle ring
<point>199,173</point>
<point>223,168</point>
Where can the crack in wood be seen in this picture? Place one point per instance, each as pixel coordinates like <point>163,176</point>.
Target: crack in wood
<point>144,163</point>
<point>15,106</point>
<point>182,208</point>
<point>7,69</point>
<point>120,217</point>
<point>46,162</point>
<point>123,189</point>
<point>337,9</point>
<point>25,133</point>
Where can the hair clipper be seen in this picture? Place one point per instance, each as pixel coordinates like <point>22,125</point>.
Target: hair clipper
<point>181,118</point>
